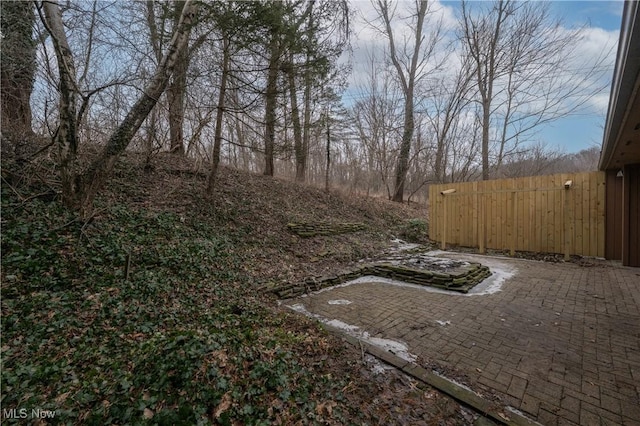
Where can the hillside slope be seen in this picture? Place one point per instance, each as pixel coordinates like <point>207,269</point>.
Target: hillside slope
<point>254,211</point>
<point>149,310</point>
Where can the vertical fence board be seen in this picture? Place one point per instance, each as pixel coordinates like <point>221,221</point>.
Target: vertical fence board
<point>600,220</point>
<point>593,213</point>
<point>578,215</point>
<point>531,214</point>
<point>474,218</point>
<point>541,213</point>
<point>521,219</point>
<point>586,198</point>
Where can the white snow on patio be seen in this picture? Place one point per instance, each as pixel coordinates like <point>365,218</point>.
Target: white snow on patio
<point>397,348</point>
<point>339,302</point>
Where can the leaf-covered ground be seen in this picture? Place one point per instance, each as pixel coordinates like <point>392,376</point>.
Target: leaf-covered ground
<point>149,311</point>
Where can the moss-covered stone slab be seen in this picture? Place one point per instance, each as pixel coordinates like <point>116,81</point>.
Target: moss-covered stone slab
<point>423,270</point>
<point>308,230</point>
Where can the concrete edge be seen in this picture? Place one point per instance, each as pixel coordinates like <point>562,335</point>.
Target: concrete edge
<point>501,414</point>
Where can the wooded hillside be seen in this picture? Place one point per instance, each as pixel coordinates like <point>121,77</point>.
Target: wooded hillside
<point>149,310</point>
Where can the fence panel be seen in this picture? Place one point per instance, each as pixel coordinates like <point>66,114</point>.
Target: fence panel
<point>525,214</point>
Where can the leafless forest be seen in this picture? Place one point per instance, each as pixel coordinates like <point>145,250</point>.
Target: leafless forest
<point>259,86</point>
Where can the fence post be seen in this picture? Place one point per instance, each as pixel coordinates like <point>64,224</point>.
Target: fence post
<point>565,219</point>
<point>443,244</point>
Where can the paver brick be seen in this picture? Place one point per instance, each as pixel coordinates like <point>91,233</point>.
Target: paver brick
<point>572,417</point>
<point>570,404</point>
<point>610,403</point>
<point>530,404</point>
<point>517,387</point>
<point>491,384</point>
<point>559,342</point>
<point>547,418</point>
<point>563,421</point>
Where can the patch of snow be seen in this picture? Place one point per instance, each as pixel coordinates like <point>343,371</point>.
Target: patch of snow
<point>443,262</point>
<point>377,366</point>
<point>443,322</point>
<point>339,302</point>
<point>403,245</point>
<point>397,348</point>
<point>347,328</point>
<point>520,413</point>
<point>299,307</point>
<point>465,387</point>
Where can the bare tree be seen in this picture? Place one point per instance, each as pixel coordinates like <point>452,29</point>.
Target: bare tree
<point>523,72</point>
<point>409,61</point>
<point>448,101</point>
<point>375,119</point>
<point>537,159</point>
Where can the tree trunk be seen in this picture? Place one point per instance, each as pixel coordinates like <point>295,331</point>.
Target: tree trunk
<point>217,140</point>
<point>176,92</point>
<point>405,147</point>
<point>297,127</point>
<point>18,69</point>
<point>238,128</point>
<point>486,123</point>
<point>328,168</point>
<point>306,128</point>
<point>270,104</point>
<point>66,134</point>
<point>303,153</point>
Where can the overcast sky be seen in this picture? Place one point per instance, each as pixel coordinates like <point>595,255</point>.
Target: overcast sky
<point>572,134</point>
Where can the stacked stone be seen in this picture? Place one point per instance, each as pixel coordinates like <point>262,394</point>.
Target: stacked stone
<point>462,280</point>
<point>307,230</point>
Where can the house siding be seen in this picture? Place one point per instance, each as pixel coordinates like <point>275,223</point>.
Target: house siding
<point>614,217</point>
<point>631,219</point>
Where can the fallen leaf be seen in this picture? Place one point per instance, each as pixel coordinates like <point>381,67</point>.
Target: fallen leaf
<point>147,413</point>
<point>503,416</point>
<point>224,405</point>
<point>326,406</point>
<point>62,398</point>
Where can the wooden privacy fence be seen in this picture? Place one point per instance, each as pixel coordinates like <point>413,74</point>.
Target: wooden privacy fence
<point>562,213</point>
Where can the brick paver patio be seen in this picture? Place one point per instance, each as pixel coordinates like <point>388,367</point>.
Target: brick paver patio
<point>559,342</point>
